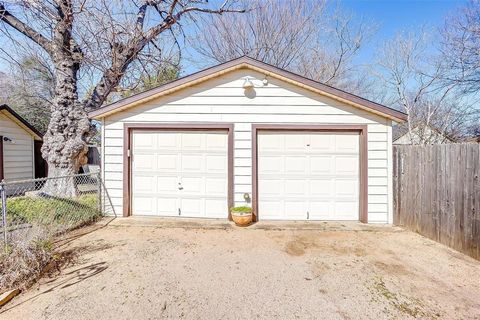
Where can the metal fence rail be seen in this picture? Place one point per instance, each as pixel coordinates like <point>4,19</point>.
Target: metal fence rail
<point>38,209</point>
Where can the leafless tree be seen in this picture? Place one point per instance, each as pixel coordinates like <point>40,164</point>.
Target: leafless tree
<point>28,89</point>
<point>461,47</point>
<point>102,38</point>
<point>304,36</point>
<point>414,78</point>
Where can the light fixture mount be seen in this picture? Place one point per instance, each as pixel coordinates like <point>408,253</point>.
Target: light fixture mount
<point>247,84</point>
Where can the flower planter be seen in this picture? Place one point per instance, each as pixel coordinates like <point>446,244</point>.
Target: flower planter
<point>242,216</point>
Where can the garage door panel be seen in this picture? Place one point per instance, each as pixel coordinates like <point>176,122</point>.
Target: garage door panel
<point>216,164</point>
<point>271,209</point>
<point>144,141</point>
<point>166,206</point>
<point>192,185</point>
<point>144,162</point>
<point>166,185</point>
<point>346,165</point>
<point>321,164</point>
<point>346,188</point>
<point>308,176</point>
<point>295,165</point>
<point>295,142</point>
<point>192,207</point>
<point>216,142</point>
<point>180,172</point>
<point>322,187</point>
<point>343,209</point>
<point>295,210</point>
<point>270,165</point>
<point>168,140</point>
<point>144,183</point>
<point>215,186</point>
<point>321,142</point>
<point>321,210</point>
<point>192,163</point>
<point>144,205</point>
<point>346,143</point>
<point>270,143</point>
<point>271,187</point>
<point>166,162</point>
<point>216,208</point>
<point>295,187</point>
<point>192,141</point>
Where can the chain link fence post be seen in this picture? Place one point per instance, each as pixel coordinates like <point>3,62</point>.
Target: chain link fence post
<point>3,196</point>
<point>99,191</point>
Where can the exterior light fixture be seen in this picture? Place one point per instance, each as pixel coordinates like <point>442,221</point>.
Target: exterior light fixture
<point>247,84</point>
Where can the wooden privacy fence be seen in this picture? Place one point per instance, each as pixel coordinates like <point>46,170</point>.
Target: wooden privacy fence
<point>437,193</point>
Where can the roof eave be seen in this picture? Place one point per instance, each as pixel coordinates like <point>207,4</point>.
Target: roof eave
<point>246,62</point>
<point>22,122</point>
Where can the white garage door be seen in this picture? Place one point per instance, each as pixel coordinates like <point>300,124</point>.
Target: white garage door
<point>308,176</point>
<point>180,173</point>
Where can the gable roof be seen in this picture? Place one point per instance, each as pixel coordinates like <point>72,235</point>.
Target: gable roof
<point>21,121</point>
<point>401,130</point>
<point>250,63</point>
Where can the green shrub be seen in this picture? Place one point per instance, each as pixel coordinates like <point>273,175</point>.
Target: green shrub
<point>242,209</point>
<point>47,210</point>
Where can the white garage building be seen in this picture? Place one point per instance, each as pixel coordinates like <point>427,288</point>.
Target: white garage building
<point>245,132</point>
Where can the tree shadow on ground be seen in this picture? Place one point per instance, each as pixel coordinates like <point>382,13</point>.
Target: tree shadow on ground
<point>71,278</point>
<point>68,258</point>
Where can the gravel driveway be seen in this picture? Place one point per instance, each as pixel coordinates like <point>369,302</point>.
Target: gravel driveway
<point>152,272</point>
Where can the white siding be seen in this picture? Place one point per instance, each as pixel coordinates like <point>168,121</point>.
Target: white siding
<point>18,154</point>
<point>223,100</point>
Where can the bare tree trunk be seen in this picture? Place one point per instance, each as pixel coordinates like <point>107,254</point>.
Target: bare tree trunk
<point>65,142</point>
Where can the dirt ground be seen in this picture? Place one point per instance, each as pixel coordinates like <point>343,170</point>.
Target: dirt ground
<point>152,272</point>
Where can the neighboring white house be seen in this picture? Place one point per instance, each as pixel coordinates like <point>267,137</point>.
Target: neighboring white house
<point>245,132</point>
<point>17,138</point>
<point>420,135</point>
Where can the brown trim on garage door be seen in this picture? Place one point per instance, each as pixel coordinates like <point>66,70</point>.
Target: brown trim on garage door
<point>363,146</point>
<point>2,174</point>
<point>127,134</point>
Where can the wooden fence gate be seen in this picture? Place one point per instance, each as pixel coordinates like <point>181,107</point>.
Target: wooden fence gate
<point>437,193</point>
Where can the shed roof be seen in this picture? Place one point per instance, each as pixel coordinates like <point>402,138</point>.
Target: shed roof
<point>21,121</point>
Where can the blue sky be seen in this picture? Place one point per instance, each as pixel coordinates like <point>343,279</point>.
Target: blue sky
<point>391,17</point>
<point>394,16</point>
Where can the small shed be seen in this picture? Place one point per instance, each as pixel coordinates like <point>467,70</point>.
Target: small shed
<point>247,133</point>
<point>18,142</point>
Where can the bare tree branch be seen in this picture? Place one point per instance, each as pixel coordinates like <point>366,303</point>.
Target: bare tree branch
<point>127,53</point>
<point>17,24</point>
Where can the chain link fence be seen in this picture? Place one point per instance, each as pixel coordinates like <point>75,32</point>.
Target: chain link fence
<point>35,212</point>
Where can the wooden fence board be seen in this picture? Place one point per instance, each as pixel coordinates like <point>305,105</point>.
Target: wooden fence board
<point>436,191</point>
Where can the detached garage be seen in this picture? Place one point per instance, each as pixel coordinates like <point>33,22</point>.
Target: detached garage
<point>247,133</point>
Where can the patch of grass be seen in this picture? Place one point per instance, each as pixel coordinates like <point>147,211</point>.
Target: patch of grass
<point>47,210</point>
<point>412,307</point>
<point>382,289</point>
<point>34,222</point>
